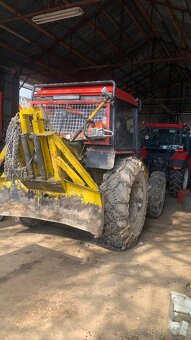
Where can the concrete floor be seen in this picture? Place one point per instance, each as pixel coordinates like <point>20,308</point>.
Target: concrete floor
<point>56,283</point>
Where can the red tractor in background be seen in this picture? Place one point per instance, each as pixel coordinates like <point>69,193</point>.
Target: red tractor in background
<point>166,151</point>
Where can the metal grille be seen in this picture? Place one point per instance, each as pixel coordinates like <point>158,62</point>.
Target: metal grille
<point>63,121</point>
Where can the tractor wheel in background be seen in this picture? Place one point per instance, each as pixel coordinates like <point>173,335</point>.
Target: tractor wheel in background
<point>1,218</point>
<point>125,199</point>
<point>30,222</point>
<point>178,180</point>
<point>156,194</point>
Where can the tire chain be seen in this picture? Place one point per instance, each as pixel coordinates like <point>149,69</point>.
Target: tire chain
<point>12,142</point>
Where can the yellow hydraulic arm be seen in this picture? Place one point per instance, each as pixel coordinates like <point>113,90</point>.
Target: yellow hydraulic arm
<point>56,186</point>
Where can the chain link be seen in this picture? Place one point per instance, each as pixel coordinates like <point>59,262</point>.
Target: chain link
<point>12,140</point>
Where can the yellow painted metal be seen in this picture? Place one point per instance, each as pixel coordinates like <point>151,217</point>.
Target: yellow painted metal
<point>50,152</point>
<point>39,128</point>
<point>61,165</point>
<point>97,109</point>
<point>75,163</point>
<point>24,115</point>
<point>87,195</point>
<point>24,119</point>
<point>54,153</point>
<point>77,201</point>
<point>69,171</point>
<point>2,155</point>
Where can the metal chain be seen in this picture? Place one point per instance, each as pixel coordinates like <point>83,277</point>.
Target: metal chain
<point>12,140</point>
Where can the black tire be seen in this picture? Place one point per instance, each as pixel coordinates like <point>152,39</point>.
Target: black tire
<point>176,181</point>
<point>1,218</point>
<point>156,194</point>
<point>30,222</point>
<point>125,198</point>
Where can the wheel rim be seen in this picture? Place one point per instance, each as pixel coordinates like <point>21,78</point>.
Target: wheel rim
<point>185,179</point>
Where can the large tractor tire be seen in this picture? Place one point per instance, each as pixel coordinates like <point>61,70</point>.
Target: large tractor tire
<point>30,222</point>
<point>179,179</point>
<point>156,194</point>
<point>125,199</point>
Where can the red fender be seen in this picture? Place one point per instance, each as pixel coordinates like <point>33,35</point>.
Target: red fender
<point>144,153</point>
<point>181,156</point>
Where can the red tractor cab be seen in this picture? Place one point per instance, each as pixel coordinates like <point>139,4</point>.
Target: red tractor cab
<point>167,148</point>
<point>112,133</point>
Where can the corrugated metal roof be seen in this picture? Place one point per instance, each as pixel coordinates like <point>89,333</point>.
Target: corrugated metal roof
<point>108,33</point>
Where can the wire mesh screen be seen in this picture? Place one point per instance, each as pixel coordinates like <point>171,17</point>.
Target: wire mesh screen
<point>67,118</point>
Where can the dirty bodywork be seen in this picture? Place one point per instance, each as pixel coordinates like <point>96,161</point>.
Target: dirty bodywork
<point>71,158</point>
<point>44,179</point>
<point>165,146</point>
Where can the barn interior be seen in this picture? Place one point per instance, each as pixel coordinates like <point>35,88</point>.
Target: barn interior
<point>61,283</point>
<point>143,45</point>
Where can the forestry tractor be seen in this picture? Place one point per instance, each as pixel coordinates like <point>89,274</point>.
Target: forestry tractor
<point>166,151</point>
<point>70,157</point>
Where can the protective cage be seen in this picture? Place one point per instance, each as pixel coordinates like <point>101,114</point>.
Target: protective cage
<point>66,117</point>
<point>68,105</point>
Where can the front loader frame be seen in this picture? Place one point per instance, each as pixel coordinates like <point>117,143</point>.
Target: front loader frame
<point>56,187</point>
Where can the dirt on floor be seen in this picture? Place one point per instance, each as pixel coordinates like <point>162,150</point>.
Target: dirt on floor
<point>57,283</point>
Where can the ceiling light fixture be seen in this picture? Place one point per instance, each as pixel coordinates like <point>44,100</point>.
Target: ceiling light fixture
<point>58,15</point>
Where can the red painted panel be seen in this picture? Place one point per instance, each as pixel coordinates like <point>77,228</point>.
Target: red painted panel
<point>182,194</point>
<point>144,152</point>
<point>69,102</point>
<point>1,115</point>
<point>106,141</point>
<point>168,126</point>
<point>126,96</point>
<point>81,90</point>
<point>86,91</point>
<point>180,155</point>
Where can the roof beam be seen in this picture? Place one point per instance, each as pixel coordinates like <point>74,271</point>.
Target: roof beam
<point>175,7</point>
<point>137,62</point>
<point>142,30</point>
<point>43,31</point>
<point>149,23</point>
<point>186,75</point>
<point>155,32</point>
<point>30,60</point>
<point>61,61</point>
<point>103,36</point>
<point>178,29</point>
<point>52,9</point>
<point>147,80</point>
<point>161,90</point>
<point>180,33</point>
<point>129,40</point>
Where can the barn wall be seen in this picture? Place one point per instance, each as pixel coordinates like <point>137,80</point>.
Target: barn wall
<point>9,86</point>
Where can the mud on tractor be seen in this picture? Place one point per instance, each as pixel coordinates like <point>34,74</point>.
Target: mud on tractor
<point>70,157</point>
<point>166,151</point>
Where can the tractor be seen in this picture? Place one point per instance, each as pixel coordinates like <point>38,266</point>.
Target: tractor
<point>71,156</point>
<point>166,151</point>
